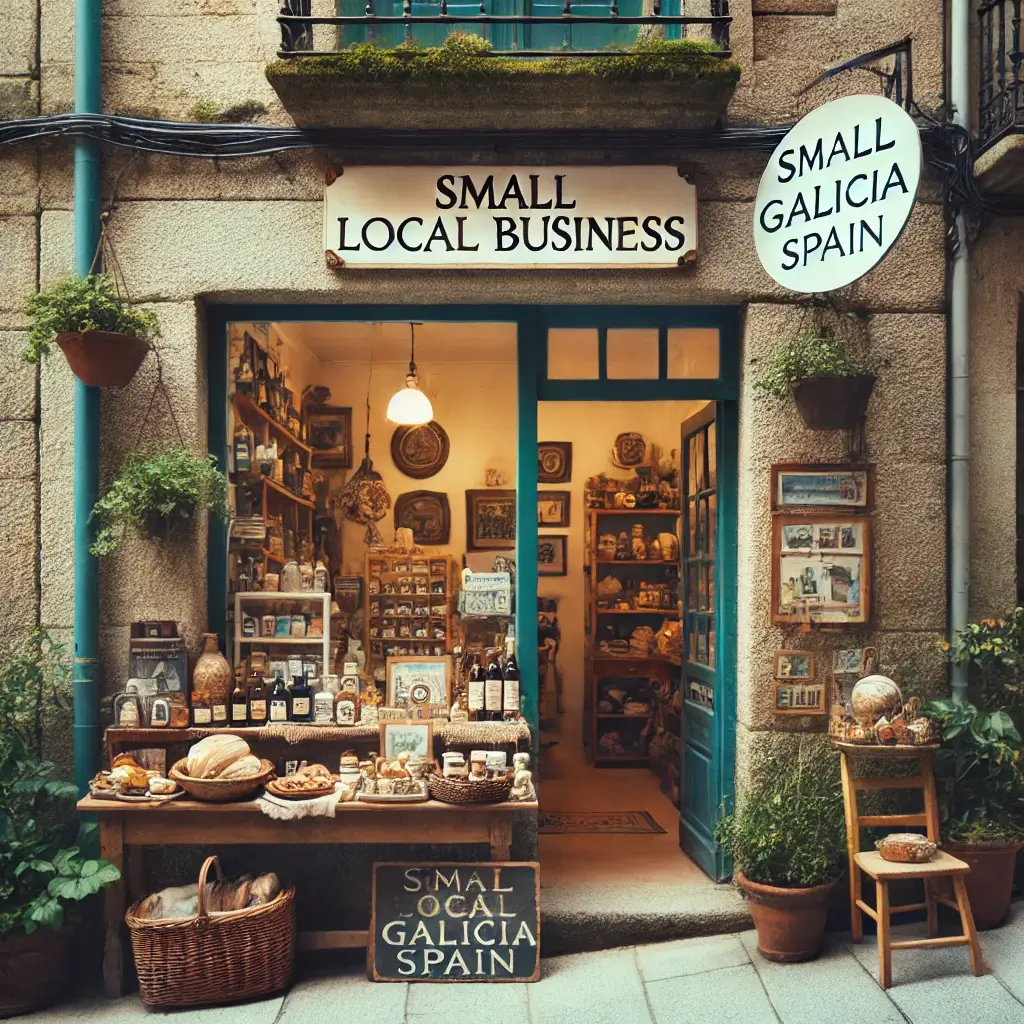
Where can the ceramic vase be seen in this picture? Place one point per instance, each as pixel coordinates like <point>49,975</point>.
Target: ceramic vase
<point>212,673</point>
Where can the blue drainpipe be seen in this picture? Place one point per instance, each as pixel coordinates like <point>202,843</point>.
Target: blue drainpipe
<point>88,18</point>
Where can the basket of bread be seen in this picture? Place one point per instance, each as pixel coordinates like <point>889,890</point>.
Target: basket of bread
<point>215,942</point>
<point>222,768</point>
<point>309,782</point>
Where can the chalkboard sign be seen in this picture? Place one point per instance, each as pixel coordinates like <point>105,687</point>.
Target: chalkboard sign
<point>455,922</point>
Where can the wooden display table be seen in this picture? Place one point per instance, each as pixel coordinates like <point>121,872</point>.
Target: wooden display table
<point>188,822</point>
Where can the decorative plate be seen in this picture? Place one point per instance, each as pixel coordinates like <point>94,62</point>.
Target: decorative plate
<point>427,514</point>
<point>630,450</point>
<point>421,451</point>
<point>554,462</point>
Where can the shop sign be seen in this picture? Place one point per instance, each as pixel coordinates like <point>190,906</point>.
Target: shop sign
<point>509,216</point>
<point>455,922</point>
<point>837,193</point>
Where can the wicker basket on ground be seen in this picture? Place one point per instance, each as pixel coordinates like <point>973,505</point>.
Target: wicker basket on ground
<point>458,791</point>
<point>214,958</point>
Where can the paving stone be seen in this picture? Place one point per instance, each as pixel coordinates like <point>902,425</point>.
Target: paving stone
<point>590,988</point>
<point>1004,951</point>
<point>690,956</point>
<point>796,990</point>
<point>347,996</point>
<point>506,1003</point>
<point>131,1010</point>
<point>732,995</point>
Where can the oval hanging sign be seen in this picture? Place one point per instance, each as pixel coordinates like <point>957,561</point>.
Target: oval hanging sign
<point>837,193</point>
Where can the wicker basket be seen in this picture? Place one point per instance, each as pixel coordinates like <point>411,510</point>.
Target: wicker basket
<point>218,958</point>
<point>221,791</point>
<point>459,791</point>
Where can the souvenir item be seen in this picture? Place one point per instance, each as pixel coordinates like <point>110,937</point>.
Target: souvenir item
<point>212,673</point>
<point>344,712</point>
<point>629,450</point>
<point>160,712</point>
<point>874,697</point>
<point>454,765</point>
<point>522,787</point>
<point>606,546</point>
<point>639,545</point>
<point>554,462</point>
<point>496,761</point>
<point>271,582</point>
<point>128,711</point>
<point>669,545</point>
<point>426,513</point>
<point>291,578</point>
<point>623,547</point>
<point>420,451</point>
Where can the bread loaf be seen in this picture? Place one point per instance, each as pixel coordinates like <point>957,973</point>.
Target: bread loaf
<point>244,768</point>
<point>211,756</point>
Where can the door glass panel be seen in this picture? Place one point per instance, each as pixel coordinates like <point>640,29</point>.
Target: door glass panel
<point>573,353</point>
<point>692,353</point>
<point>632,353</point>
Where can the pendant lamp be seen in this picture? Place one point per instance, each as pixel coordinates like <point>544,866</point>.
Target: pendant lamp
<point>409,407</point>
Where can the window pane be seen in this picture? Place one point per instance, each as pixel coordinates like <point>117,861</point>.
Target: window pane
<point>632,353</point>
<point>572,353</point>
<point>692,353</point>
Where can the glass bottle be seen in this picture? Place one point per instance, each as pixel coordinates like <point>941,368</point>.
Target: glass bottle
<point>279,702</point>
<point>245,444</point>
<point>492,689</point>
<point>475,691</point>
<point>202,712</point>
<point>257,699</point>
<point>239,703</point>
<point>510,688</point>
<point>302,700</point>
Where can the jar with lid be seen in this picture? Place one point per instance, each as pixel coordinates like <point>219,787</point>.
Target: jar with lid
<point>306,576</point>
<point>323,707</point>
<point>202,709</point>
<point>291,578</point>
<point>128,711</point>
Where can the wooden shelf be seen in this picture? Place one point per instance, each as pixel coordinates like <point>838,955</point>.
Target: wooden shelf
<point>667,613</point>
<point>247,406</point>
<point>285,492</point>
<point>279,595</point>
<point>309,641</point>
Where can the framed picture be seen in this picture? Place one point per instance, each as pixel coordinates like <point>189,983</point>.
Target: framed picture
<point>821,569</point>
<point>553,508</point>
<point>554,462</point>
<point>490,520</point>
<point>407,677</point>
<point>427,514</point>
<point>552,555</point>
<point>797,485</point>
<point>329,433</point>
<point>404,737</point>
<point>798,698</point>
<point>157,665</point>
<point>793,665</point>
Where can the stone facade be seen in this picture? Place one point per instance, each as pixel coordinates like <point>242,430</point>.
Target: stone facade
<point>192,232</point>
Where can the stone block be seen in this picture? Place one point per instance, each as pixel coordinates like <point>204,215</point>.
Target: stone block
<point>761,754</point>
<point>383,1004</point>
<point>156,39</point>
<point>19,183</point>
<point>733,994</point>
<point>19,98</point>
<point>17,378</point>
<point>56,87</point>
<point>57,31</point>
<point>795,6</point>
<point>689,956</point>
<point>18,255</point>
<point>56,247</point>
<point>18,39</point>
<point>18,442</point>
<point>19,529</point>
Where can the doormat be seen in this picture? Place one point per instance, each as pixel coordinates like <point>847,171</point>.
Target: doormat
<point>611,823</point>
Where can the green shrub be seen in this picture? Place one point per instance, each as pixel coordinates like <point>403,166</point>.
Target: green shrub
<point>84,304</point>
<point>815,353</point>
<point>790,832</point>
<point>158,492</point>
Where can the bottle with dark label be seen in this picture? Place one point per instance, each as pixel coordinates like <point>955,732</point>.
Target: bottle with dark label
<point>257,699</point>
<point>279,702</point>
<point>475,691</point>
<point>492,689</point>
<point>510,695</point>
<point>239,703</point>
<point>302,700</point>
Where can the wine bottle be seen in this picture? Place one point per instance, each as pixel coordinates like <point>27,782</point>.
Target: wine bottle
<point>302,700</point>
<point>257,699</point>
<point>510,694</point>
<point>239,703</point>
<point>475,691</point>
<point>279,702</point>
<point>492,689</point>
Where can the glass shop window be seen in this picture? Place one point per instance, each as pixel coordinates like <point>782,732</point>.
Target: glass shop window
<point>573,353</point>
<point>692,353</point>
<point>632,353</point>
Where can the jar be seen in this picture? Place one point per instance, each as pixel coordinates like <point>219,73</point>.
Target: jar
<point>212,673</point>
<point>127,711</point>
<point>160,713</point>
<point>306,577</point>
<point>180,715</point>
<point>291,578</point>
<point>453,765</point>
<point>323,707</point>
<point>320,577</point>
<point>272,582</point>
<point>268,624</point>
<point>202,710</point>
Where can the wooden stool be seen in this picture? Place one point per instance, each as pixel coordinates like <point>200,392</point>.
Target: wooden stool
<point>882,872</point>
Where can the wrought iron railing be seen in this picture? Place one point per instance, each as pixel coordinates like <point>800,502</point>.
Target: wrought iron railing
<point>1000,96</point>
<point>519,28</point>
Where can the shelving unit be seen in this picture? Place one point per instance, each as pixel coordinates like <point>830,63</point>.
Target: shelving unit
<point>265,600</point>
<point>649,677</point>
<point>396,579</point>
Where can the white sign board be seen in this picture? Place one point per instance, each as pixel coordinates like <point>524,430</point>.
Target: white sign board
<point>509,216</point>
<point>836,193</point>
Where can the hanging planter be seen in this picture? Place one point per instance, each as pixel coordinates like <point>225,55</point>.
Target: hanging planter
<point>832,403</point>
<point>102,336</point>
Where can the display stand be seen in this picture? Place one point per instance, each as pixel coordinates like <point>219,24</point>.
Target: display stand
<point>259,601</point>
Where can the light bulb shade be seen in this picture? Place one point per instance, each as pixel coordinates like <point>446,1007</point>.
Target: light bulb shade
<point>410,407</point>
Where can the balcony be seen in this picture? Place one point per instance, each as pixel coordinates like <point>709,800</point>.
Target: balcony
<point>505,64</point>
<point>999,165</point>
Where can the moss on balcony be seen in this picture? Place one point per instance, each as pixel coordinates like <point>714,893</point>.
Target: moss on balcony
<point>655,83</point>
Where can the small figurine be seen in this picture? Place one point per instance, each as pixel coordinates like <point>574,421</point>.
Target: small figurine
<point>522,787</point>
<point>458,713</point>
<point>478,773</point>
<point>639,545</point>
<point>622,548</point>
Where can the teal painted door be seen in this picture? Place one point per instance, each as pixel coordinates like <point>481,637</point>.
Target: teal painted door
<point>707,748</point>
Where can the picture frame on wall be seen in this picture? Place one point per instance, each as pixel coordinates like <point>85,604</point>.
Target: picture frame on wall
<point>329,433</point>
<point>554,462</point>
<point>553,508</point>
<point>799,697</point>
<point>793,664</point>
<point>406,676</point>
<point>552,554</point>
<point>821,569</point>
<point>803,485</point>
<point>490,520</point>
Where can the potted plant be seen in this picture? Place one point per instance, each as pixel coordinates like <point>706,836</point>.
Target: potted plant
<point>43,870</point>
<point>978,771</point>
<point>159,493</point>
<point>103,338</point>
<point>828,382</point>
<point>788,844</point>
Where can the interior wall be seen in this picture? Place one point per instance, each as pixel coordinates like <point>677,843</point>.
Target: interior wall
<point>592,428</point>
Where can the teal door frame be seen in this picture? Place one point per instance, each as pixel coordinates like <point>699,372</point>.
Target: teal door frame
<point>532,323</point>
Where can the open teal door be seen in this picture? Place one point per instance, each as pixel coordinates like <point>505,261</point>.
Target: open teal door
<point>708,575</point>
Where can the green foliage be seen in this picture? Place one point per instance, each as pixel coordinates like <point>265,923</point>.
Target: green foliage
<point>41,868</point>
<point>994,651</point>
<point>84,304</point>
<point>209,112</point>
<point>791,832</point>
<point>978,769</point>
<point>464,56</point>
<point>815,353</point>
<point>158,492</point>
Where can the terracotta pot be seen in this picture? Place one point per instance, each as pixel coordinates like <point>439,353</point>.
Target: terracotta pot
<point>790,922</point>
<point>832,403</point>
<point>103,359</point>
<point>35,969</point>
<point>212,673</point>
<point>990,883</point>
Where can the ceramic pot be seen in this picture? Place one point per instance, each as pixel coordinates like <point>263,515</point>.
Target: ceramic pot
<point>34,969</point>
<point>832,403</point>
<point>990,883</point>
<point>103,359</point>
<point>212,673</point>
<point>873,697</point>
<point>790,922</point>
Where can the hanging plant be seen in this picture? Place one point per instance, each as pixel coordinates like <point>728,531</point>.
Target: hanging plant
<point>159,493</point>
<point>103,337</point>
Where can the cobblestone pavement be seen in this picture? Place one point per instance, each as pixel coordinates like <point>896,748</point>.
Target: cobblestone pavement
<point>718,980</point>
